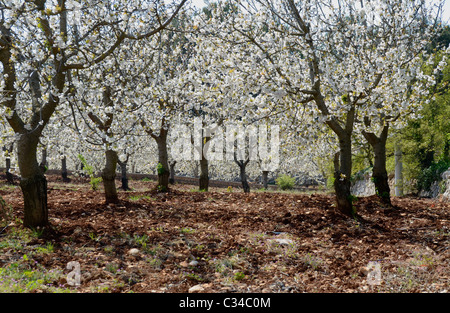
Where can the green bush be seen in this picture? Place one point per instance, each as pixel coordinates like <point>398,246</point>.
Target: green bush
<point>95,181</point>
<point>285,182</point>
<point>160,169</point>
<point>431,174</point>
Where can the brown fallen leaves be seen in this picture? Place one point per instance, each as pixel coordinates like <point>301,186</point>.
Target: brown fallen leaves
<point>221,241</point>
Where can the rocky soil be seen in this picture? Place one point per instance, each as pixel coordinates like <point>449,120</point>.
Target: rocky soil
<point>227,241</point>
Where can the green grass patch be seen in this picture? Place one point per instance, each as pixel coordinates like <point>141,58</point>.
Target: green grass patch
<point>139,197</point>
<point>27,275</point>
<point>23,274</point>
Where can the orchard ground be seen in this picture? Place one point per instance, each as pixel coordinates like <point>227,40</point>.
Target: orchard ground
<point>224,241</point>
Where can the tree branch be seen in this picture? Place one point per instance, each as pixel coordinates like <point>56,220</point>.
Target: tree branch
<point>122,36</point>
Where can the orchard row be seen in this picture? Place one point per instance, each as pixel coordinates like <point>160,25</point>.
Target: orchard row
<point>110,78</point>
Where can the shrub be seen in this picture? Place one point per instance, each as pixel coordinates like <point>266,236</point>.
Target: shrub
<point>239,276</point>
<point>285,182</point>
<point>160,169</point>
<point>432,174</point>
<point>95,181</point>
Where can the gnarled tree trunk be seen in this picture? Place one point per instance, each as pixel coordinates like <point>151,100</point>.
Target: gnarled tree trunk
<point>163,155</point>
<point>342,174</point>
<point>33,182</point>
<point>379,174</point>
<point>342,159</point>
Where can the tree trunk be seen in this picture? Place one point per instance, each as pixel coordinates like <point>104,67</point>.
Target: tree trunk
<point>44,163</point>
<point>9,175</point>
<point>109,177</point>
<point>242,165</point>
<point>204,176</point>
<point>342,159</point>
<point>379,174</point>
<point>172,172</point>
<point>265,176</point>
<point>34,191</point>
<point>124,178</point>
<point>8,164</point>
<point>342,174</point>
<point>204,171</point>
<point>33,182</point>
<point>398,171</point>
<point>163,161</point>
<point>64,169</point>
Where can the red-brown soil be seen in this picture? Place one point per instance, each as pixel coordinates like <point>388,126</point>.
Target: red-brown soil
<point>227,241</point>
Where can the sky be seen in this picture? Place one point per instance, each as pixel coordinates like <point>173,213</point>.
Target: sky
<point>445,17</point>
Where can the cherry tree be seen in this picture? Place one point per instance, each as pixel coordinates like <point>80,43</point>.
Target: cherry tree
<point>162,102</point>
<point>332,59</point>
<point>224,96</point>
<point>389,108</point>
<point>403,86</point>
<point>42,45</point>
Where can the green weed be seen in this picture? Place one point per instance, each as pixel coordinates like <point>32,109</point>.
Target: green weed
<point>27,275</point>
<point>285,182</point>
<point>239,276</point>
<point>141,240</point>
<point>187,230</point>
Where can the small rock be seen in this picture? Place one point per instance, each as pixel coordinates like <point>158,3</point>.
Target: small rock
<point>365,271</point>
<point>196,288</point>
<point>133,252</point>
<point>226,289</point>
<point>193,263</point>
<point>283,241</point>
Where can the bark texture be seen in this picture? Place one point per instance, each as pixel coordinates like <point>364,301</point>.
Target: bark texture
<point>124,176</point>
<point>163,160</point>
<point>379,174</point>
<point>32,183</point>
<point>204,176</point>
<point>109,177</point>
<point>172,172</point>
